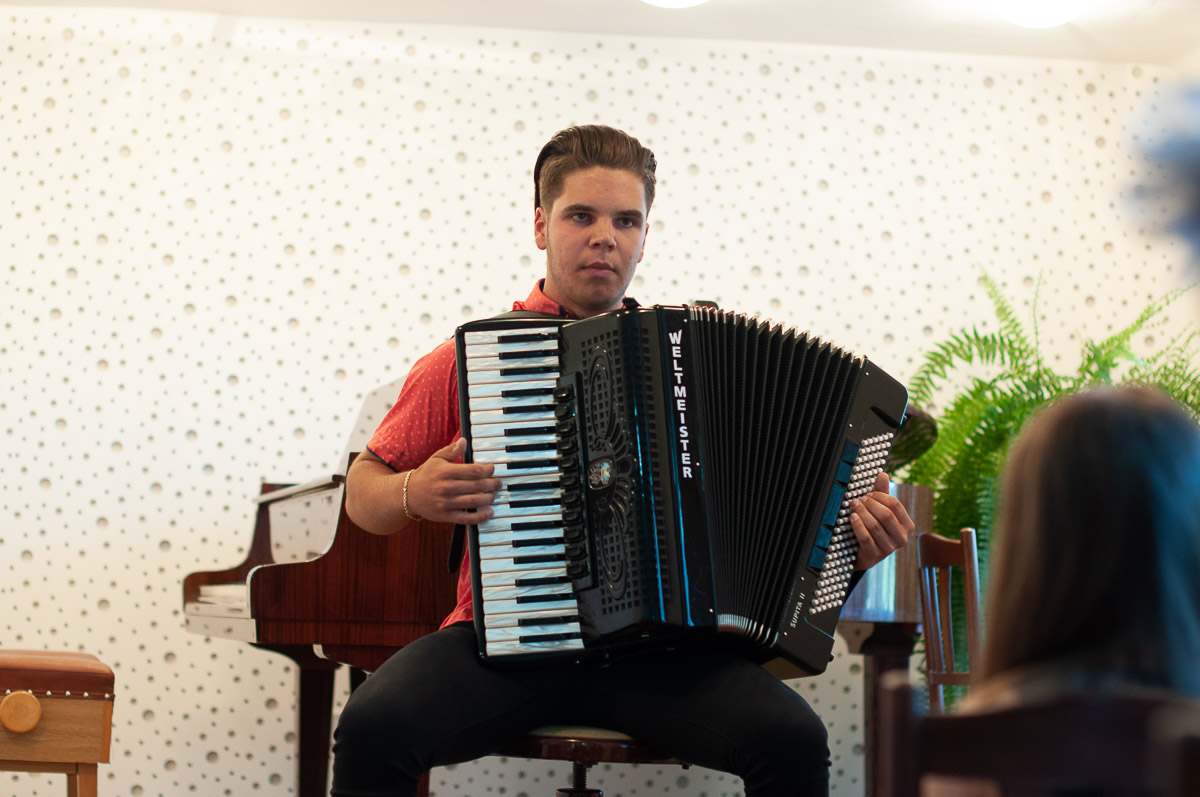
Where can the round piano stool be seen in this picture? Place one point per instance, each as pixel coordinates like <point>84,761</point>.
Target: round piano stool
<point>56,715</point>
<point>584,748</point>
<point>20,712</point>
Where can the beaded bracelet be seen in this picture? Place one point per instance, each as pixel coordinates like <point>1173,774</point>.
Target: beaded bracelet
<point>410,515</point>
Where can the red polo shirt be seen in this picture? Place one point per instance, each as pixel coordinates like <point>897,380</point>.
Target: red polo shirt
<point>424,420</point>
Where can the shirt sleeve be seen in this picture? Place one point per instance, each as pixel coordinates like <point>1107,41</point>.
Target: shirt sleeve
<point>424,418</point>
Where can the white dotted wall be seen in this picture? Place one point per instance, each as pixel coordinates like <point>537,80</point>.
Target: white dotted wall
<point>218,234</point>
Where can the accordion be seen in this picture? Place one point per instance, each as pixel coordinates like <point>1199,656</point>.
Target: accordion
<point>670,474</point>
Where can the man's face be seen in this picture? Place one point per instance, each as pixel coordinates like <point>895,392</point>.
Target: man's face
<point>593,236</point>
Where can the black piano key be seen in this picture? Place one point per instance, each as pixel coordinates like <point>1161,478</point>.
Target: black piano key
<point>557,596</point>
<point>523,392</point>
<point>514,449</point>
<point>531,371</point>
<point>544,559</point>
<point>525,337</point>
<point>527,486</point>
<point>527,355</point>
<point>528,409</point>
<point>526,639</point>
<point>536,502</point>
<point>540,582</point>
<point>533,463</point>
<point>537,543</point>
<point>529,431</point>
<point>534,525</point>
<point>563,618</point>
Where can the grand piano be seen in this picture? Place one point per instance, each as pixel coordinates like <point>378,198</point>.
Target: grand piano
<point>323,592</point>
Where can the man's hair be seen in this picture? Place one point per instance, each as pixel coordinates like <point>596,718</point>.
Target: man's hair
<point>1097,543</point>
<point>585,147</point>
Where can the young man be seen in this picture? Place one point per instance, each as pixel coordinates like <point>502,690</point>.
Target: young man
<point>434,703</point>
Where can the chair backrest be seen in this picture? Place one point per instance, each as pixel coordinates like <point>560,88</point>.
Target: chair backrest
<point>936,557</point>
<point>1100,744</point>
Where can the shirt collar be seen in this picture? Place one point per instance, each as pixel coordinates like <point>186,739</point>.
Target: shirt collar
<point>539,302</point>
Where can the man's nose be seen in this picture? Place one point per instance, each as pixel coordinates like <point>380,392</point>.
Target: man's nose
<point>603,233</point>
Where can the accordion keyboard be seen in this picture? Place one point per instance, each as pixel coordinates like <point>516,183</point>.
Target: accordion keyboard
<point>528,605</point>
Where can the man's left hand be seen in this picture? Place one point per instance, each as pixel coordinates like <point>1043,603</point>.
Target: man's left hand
<point>881,524</point>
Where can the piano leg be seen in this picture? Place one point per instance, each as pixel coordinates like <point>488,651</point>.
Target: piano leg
<point>314,717</point>
<point>884,647</point>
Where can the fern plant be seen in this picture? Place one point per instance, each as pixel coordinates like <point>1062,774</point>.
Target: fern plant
<point>981,419</point>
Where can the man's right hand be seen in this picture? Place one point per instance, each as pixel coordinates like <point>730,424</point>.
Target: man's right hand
<point>444,489</point>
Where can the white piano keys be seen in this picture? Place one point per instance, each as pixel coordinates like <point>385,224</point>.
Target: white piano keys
<point>511,377</point>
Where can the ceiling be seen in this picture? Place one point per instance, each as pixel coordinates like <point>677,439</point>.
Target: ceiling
<point>1165,32</point>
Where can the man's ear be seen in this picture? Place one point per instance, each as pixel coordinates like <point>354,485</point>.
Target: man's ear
<point>642,253</point>
<point>539,227</point>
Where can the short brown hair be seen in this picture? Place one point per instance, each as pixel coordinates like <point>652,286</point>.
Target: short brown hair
<point>584,147</point>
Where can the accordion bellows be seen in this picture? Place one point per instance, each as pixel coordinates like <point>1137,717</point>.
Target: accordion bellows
<point>671,475</point>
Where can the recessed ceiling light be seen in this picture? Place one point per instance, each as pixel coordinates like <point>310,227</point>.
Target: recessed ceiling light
<point>1041,13</point>
<point>674,3</point>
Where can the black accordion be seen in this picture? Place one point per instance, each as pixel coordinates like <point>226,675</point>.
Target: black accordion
<point>668,473</point>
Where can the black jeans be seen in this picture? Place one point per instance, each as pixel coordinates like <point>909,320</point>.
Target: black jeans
<point>434,703</point>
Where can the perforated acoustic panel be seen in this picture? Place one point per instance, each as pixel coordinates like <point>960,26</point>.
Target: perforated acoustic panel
<point>217,235</point>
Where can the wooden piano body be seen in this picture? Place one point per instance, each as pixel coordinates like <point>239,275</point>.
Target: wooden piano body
<point>320,590</point>
<point>317,588</point>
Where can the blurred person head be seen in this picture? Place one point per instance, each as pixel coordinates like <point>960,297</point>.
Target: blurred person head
<point>1096,560</point>
<point>1173,148</point>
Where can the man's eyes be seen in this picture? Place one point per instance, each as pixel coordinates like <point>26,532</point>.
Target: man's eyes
<point>587,218</point>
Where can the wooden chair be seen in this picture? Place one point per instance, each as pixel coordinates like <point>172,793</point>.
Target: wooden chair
<point>56,715</point>
<point>936,557</point>
<point>1099,744</point>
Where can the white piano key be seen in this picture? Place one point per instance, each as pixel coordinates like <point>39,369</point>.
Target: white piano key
<point>522,430</point>
<point>529,536</point>
<point>493,606</point>
<point>513,648</point>
<point>491,555</point>
<point>511,592</point>
<point>511,457</point>
<point>531,478</point>
<point>548,442</point>
<point>489,390</point>
<point>499,578</point>
<point>494,635</point>
<point>537,412</point>
<point>492,348</point>
<point>490,403</point>
<point>502,525</point>
<point>510,511</point>
<point>483,365</point>
<point>510,377</point>
<point>514,620</point>
<point>508,496</point>
<point>504,470</point>
<point>480,337</point>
